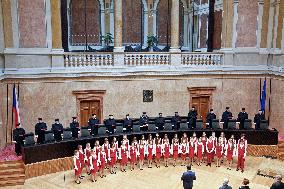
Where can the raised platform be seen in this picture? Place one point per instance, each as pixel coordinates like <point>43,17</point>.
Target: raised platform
<point>44,152</point>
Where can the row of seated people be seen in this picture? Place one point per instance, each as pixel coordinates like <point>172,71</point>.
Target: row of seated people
<point>204,149</point>
<point>144,123</point>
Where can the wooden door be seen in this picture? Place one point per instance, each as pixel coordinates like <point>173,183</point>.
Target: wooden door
<point>87,108</point>
<point>202,106</point>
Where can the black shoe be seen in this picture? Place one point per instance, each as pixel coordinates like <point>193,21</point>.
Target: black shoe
<point>82,176</point>
<point>105,176</point>
<point>88,173</point>
<point>79,182</point>
<point>237,169</point>
<point>242,171</point>
<point>101,176</point>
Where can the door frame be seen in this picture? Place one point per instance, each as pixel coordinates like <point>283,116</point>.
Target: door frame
<point>200,92</point>
<point>89,95</point>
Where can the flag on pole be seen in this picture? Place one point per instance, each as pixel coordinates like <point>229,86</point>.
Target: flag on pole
<point>263,96</point>
<point>16,111</point>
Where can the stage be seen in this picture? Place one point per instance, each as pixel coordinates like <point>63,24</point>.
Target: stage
<point>44,152</point>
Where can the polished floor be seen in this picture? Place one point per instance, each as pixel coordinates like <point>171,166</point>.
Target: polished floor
<point>164,178</point>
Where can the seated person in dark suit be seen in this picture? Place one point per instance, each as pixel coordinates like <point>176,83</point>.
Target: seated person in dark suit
<point>209,118</point>
<point>176,121</point>
<point>257,119</point>
<point>40,129</point>
<point>160,122</point>
<point>242,116</point>
<point>226,116</point>
<point>225,184</point>
<point>110,124</point>
<point>278,184</point>
<point>128,123</point>
<point>75,127</point>
<point>191,119</point>
<point>144,121</point>
<point>187,178</point>
<point>245,184</point>
<point>93,124</point>
<point>57,129</point>
<point>18,138</point>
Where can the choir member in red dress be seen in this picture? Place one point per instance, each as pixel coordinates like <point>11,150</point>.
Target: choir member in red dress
<point>97,147</point>
<point>94,165</point>
<point>103,160</point>
<point>106,146</point>
<point>166,138</point>
<point>133,155</point>
<point>219,153</point>
<point>150,149</point>
<point>183,151</point>
<point>244,140</point>
<point>112,154</point>
<point>195,139</point>
<point>77,167</point>
<point>184,137</point>
<point>241,155</point>
<point>215,140</point>
<point>115,142</point>
<point>82,158</point>
<point>143,140</point>
<point>166,151</point>
<point>135,141</point>
<point>87,153</point>
<point>123,156</point>
<point>234,140</point>
<point>158,152</point>
<point>210,149</point>
<point>157,139</point>
<point>204,140</point>
<point>125,141</point>
<point>199,151</point>
<point>175,138</point>
<point>141,155</point>
<point>191,150</point>
<point>229,153</point>
<point>223,140</point>
<point>175,151</point>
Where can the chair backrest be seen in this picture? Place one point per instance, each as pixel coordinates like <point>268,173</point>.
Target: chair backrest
<point>119,129</point>
<point>102,130</point>
<point>264,124</point>
<point>215,124</point>
<point>168,126</point>
<point>183,126</point>
<point>232,124</point>
<point>136,128</point>
<point>67,134</point>
<point>29,140</point>
<point>152,127</point>
<point>85,132</point>
<point>248,124</point>
<point>49,137</point>
<point>199,124</point>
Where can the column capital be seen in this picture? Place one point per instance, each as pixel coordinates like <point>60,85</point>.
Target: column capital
<point>260,1</point>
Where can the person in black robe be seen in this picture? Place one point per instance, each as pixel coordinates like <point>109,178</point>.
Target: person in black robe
<point>57,129</point>
<point>242,116</point>
<point>18,139</point>
<point>128,123</point>
<point>176,121</point>
<point>75,127</point>
<point>191,119</point>
<point>160,122</point>
<point>257,119</point>
<point>144,121</point>
<point>93,124</point>
<point>209,118</point>
<point>111,124</point>
<point>226,116</point>
<point>40,129</point>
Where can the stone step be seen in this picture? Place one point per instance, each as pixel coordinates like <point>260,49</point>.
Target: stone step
<point>12,182</point>
<point>12,177</point>
<point>12,171</point>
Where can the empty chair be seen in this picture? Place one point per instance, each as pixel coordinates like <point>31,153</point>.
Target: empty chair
<point>29,139</point>
<point>85,132</point>
<point>152,127</point>
<point>136,128</point>
<point>49,137</point>
<point>247,124</point>
<point>183,126</point>
<point>199,124</point>
<point>119,129</point>
<point>264,124</point>
<point>232,124</point>
<point>102,130</point>
<point>67,134</point>
<point>168,126</point>
<point>215,124</point>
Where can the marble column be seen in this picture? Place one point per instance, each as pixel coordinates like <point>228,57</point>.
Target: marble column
<point>276,5</point>
<point>175,26</point>
<point>259,19</point>
<point>227,24</point>
<point>235,21</point>
<point>118,26</point>
<point>57,51</point>
<point>7,23</point>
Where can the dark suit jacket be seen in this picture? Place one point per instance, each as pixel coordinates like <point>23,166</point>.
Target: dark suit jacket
<point>187,178</point>
<point>277,185</point>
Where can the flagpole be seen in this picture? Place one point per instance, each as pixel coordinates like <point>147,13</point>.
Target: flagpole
<point>7,112</point>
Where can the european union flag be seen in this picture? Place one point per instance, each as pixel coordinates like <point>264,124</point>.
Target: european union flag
<point>263,96</point>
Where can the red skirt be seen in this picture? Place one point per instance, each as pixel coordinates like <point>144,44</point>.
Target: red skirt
<point>191,153</point>
<point>182,156</point>
<point>103,165</point>
<point>158,156</point>
<point>94,170</point>
<point>112,161</point>
<point>199,154</point>
<point>123,160</point>
<point>133,159</point>
<point>78,172</point>
<point>141,157</point>
<point>175,154</point>
<point>150,156</point>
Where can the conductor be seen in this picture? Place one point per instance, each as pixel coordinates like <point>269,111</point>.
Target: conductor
<point>187,178</point>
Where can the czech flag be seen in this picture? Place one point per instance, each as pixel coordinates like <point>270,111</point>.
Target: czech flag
<point>16,111</point>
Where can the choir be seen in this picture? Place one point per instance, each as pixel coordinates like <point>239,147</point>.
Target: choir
<point>186,150</point>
